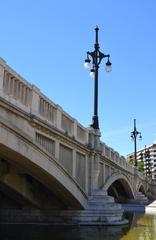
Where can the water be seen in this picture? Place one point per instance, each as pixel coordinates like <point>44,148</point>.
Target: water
<point>141,227</point>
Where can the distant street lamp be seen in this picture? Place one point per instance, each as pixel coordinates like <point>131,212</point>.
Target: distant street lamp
<point>96,57</point>
<point>134,135</point>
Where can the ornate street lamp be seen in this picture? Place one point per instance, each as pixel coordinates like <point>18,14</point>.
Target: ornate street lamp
<point>134,135</point>
<point>96,57</point>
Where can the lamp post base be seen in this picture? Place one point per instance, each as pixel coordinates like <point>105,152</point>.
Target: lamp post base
<point>95,122</point>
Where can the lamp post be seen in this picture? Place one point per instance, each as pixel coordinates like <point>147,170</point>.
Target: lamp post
<point>134,135</point>
<point>96,57</point>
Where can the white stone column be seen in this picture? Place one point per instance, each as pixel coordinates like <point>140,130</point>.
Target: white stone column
<point>94,138</point>
<point>104,174</point>
<point>86,173</point>
<point>20,91</point>
<point>57,150</point>
<point>109,170</point>
<point>35,101</point>
<point>59,117</point>
<point>1,76</point>
<point>74,164</point>
<point>94,143</point>
<point>75,129</point>
<point>95,170</point>
<point>87,136</point>
<point>13,87</point>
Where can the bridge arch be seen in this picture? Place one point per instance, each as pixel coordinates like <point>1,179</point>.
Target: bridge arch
<point>141,188</point>
<point>25,154</point>
<point>118,186</point>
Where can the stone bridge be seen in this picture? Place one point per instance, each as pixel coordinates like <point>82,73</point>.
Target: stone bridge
<point>53,165</point>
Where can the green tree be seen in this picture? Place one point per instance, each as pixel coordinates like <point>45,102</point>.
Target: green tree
<point>140,164</point>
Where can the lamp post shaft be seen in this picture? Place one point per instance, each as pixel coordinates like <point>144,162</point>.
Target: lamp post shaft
<point>95,119</point>
<point>135,144</point>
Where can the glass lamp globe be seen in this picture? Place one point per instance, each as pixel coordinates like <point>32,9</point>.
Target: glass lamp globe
<point>108,66</point>
<point>87,65</point>
<point>92,73</point>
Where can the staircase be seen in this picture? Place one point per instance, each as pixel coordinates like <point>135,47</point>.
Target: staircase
<point>102,210</point>
<point>139,199</point>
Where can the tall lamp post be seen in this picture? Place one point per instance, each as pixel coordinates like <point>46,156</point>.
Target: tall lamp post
<point>134,135</point>
<point>96,57</point>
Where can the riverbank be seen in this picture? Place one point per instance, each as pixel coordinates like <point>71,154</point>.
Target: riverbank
<point>151,208</point>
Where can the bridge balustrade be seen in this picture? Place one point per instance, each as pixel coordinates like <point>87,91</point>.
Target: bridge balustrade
<point>46,143</point>
<point>18,92</point>
<point>16,88</point>
<point>28,97</point>
<point>47,110</point>
<point>114,157</point>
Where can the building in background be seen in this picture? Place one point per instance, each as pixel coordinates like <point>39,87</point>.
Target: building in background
<point>146,159</point>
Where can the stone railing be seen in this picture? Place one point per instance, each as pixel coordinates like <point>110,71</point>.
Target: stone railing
<point>115,158</point>
<point>46,143</point>
<point>47,110</point>
<point>28,98</point>
<point>14,87</point>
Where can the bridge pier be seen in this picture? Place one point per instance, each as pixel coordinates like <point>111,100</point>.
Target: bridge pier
<point>94,144</point>
<point>102,208</point>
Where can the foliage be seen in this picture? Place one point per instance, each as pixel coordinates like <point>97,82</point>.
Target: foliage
<point>139,162</point>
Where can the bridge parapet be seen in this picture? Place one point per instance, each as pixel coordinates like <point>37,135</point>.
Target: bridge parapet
<point>115,158</point>
<point>19,92</point>
<point>28,98</point>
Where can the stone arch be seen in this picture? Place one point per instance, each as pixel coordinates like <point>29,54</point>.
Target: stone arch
<point>43,167</point>
<point>124,183</point>
<point>141,188</point>
<point>148,189</point>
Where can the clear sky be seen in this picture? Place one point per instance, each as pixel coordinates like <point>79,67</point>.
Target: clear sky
<point>46,41</point>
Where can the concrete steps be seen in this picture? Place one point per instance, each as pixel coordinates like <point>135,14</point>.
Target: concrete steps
<point>102,209</point>
<point>140,199</point>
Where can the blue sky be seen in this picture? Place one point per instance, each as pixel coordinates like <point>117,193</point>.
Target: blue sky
<point>46,42</point>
